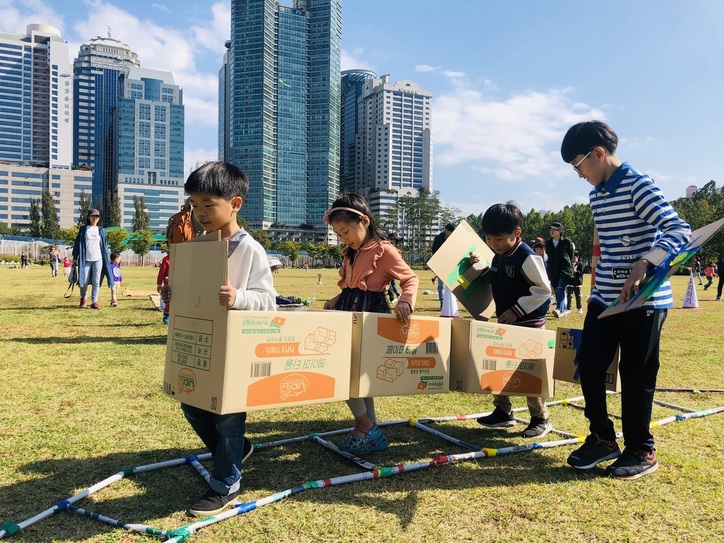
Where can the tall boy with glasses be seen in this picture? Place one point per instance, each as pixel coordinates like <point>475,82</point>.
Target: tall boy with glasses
<point>637,228</point>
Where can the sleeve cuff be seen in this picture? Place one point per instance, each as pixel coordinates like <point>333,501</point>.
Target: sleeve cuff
<point>656,256</point>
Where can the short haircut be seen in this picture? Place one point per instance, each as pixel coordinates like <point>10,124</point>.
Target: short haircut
<point>114,256</point>
<point>450,227</point>
<point>584,137</point>
<point>220,179</point>
<point>502,219</point>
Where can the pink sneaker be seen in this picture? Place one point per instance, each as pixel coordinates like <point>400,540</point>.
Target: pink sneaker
<point>95,305</point>
<point>82,303</point>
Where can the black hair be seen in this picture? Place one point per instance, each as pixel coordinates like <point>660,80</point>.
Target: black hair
<point>450,227</point>
<point>220,179</point>
<point>355,201</point>
<point>584,137</point>
<point>114,255</point>
<point>502,219</point>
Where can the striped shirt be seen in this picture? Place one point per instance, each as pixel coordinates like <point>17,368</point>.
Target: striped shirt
<point>633,218</point>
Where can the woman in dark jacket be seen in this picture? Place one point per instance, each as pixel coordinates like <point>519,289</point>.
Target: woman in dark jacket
<point>90,252</point>
<point>560,270</point>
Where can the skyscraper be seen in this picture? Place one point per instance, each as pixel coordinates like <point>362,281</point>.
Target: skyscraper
<point>283,116</point>
<point>97,71</point>
<point>353,83</point>
<point>36,98</point>
<point>149,131</point>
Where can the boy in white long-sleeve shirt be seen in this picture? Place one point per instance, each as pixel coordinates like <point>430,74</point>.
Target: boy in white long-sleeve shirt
<point>217,191</point>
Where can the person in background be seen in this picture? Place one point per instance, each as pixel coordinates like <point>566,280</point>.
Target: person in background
<point>623,201</point>
<point>162,281</point>
<point>560,271</point>
<point>574,287</point>
<point>720,284</point>
<point>54,258</point>
<point>370,263</point>
<point>90,251</point>
<point>66,267</point>
<point>710,274</point>
<point>436,244</point>
<point>117,279</point>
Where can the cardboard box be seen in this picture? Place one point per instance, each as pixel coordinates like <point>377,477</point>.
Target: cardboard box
<point>451,263</point>
<point>566,366</point>
<point>492,358</point>
<point>391,358</point>
<point>227,361</point>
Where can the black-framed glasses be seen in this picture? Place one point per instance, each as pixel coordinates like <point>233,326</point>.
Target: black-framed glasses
<point>577,164</point>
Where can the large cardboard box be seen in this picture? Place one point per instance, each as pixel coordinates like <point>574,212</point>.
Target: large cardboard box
<point>488,357</point>
<point>566,367</point>
<point>391,358</point>
<point>226,361</point>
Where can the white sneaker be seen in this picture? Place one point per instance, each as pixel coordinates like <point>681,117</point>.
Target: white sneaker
<point>580,310</point>
<point>559,314</point>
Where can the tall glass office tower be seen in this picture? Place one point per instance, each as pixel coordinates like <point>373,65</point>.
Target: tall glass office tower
<point>97,70</point>
<point>353,83</point>
<point>282,116</point>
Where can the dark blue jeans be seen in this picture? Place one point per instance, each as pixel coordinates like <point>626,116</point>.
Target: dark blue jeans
<point>223,435</point>
<point>638,333</point>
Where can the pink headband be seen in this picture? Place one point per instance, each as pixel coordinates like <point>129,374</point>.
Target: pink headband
<point>331,210</point>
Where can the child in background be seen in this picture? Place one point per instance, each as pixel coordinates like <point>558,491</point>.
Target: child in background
<point>522,294</point>
<point>117,279</point>
<point>370,263</point>
<point>66,267</point>
<point>217,191</point>
<point>574,287</point>
<point>710,272</point>
<point>162,281</point>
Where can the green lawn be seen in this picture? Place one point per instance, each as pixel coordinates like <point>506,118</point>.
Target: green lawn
<point>82,400</point>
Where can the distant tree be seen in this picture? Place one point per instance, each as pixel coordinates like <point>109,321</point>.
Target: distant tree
<point>242,222</point>
<point>116,238</point>
<point>68,235</point>
<point>316,251</point>
<point>290,249</point>
<point>475,221</point>
<point>262,237</point>
<point>50,227</point>
<point>113,216</point>
<point>36,221</point>
<point>141,242</point>
<point>334,253</point>
<point>84,206</point>
<point>141,218</point>
<point>5,229</point>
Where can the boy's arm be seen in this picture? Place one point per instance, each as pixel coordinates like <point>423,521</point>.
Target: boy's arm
<point>251,276</point>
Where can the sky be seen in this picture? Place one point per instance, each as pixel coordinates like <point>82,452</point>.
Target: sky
<point>508,79</point>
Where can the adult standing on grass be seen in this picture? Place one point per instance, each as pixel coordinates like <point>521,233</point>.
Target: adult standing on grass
<point>436,244</point>
<point>637,229</point>
<point>559,267</point>
<point>720,267</point>
<point>54,258</point>
<point>90,252</point>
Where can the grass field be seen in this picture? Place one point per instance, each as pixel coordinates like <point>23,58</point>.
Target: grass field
<point>82,400</point>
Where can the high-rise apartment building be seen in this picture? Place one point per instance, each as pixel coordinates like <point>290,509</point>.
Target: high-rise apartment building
<point>282,117</point>
<point>36,98</point>
<point>394,142</point>
<point>98,69</point>
<point>353,83</point>
<point>149,135</point>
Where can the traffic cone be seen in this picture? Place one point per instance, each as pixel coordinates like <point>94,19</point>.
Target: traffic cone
<point>690,300</point>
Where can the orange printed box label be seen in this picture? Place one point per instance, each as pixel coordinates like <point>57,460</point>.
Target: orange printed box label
<point>426,362</point>
<point>290,388</point>
<point>415,331</point>
<point>264,350</point>
<point>513,382</point>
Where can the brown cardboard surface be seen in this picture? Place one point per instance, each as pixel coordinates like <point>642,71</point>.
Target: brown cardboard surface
<point>227,361</point>
<point>451,264</point>
<point>492,358</point>
<point>566,367</point>
<point>391,358</point>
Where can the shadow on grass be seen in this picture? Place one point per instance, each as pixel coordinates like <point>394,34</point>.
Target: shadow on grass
<point>136,340</point>
<point>159,498</point>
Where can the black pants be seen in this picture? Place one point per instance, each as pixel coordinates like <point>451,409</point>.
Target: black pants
<point>638,333</point>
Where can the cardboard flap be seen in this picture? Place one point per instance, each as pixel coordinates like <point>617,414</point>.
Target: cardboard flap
<point>451,264</point>
<point>196,283</point>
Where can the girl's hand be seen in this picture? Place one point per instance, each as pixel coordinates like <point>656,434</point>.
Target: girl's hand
<point>227,295</point>
<point>403,310</point>
<point>508,317</point>
<point>329,304</point>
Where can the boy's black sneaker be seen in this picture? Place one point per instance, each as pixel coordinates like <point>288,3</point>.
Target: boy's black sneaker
<point>633,464</point>
<point>497,419</point>
<point>213,503</point>
<point>593,451</point>
<point>538,427</point>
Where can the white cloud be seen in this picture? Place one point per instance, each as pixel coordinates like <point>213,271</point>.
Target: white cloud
<point>15,16</point>
<point>426,68</point>
<point>353,60</point>
<point>511,138</point>
<point>195,157</point>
